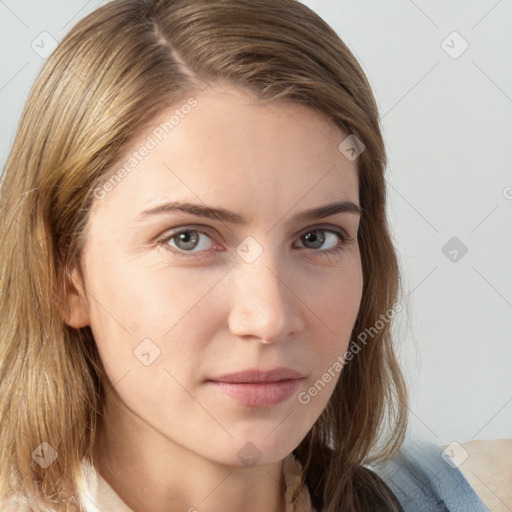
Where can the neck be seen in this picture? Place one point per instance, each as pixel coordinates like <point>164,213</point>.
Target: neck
<point>151,473</point>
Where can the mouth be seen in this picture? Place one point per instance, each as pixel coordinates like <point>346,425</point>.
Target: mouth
<point>258,388</point>
<point>258,394</point>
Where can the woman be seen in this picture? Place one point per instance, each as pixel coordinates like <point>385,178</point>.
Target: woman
<point>198,278</point>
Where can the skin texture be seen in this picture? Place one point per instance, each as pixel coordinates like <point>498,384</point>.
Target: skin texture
<point>171,442</point>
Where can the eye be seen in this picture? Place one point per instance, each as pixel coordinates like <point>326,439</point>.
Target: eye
<point>316,238</point>
<point>185,241</point>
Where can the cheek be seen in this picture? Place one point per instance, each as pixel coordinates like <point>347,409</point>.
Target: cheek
<point>150,312</point>
<point>335,307</point>
<point>142,299</point>
<point>337,297</point>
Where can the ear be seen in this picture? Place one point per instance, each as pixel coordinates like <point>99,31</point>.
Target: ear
<point>75,306</point>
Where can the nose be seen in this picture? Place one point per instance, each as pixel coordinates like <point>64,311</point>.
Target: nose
<point>264,304</point>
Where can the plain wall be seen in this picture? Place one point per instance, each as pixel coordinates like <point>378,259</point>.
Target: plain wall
<point>447,120</point>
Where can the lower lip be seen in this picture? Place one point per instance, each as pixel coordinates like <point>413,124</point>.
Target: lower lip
<point>259,394</point>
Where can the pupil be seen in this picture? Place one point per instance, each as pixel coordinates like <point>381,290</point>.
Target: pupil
<point>313,237</point>
<point>188,240</point>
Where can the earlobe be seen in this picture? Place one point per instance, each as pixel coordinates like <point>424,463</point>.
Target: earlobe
<point>75,307</point>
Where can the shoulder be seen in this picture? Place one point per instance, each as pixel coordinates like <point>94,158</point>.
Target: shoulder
<point>95,495</point>
<point>487,466</point>
<point>424,479</point>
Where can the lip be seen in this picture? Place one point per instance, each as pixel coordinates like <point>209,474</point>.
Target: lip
<point>259,376</point>
<point>257,388</point>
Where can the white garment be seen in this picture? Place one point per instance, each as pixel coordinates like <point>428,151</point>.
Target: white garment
<point>97,495</point>
<point>94,492</point>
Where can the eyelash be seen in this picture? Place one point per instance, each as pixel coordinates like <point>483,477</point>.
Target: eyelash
<point>343,237</point>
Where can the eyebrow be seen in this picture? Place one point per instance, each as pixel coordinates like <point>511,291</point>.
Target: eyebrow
<point>234,218</point>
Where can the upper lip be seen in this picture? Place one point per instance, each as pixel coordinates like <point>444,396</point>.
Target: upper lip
<point>256,375</point>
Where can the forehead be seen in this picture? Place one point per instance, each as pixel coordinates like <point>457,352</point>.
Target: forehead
<point>224,145</point>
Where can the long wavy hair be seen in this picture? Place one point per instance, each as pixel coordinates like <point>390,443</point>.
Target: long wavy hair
<point>114,71</point>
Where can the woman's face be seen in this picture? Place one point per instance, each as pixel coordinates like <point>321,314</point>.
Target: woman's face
<point>170,312</point>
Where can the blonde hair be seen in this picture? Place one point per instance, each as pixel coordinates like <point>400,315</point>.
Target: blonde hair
<point>115,70</point>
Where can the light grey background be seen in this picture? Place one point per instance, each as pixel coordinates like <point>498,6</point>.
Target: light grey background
<point>447,121</point>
